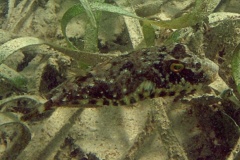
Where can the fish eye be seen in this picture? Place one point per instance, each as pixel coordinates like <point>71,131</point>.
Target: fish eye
<point>176,67</point>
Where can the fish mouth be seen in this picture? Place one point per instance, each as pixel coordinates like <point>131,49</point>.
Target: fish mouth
<point>210,69</point>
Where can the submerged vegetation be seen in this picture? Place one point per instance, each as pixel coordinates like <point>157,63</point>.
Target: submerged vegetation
<point>200,12</point>
<point>93,10</point>
<point>48,62</point>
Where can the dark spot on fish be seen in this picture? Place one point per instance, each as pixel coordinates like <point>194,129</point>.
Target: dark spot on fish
<point>152,95</point>
<point>75,102</point>
<point>140,95</point>
<point>198,66</point>
<point>192,77</point>
<point>132,100</point>
<point>179,51</point>
<point>174,77</point>
<point>162,94</point>
<point>128,65</point>
<point>98,89</point>
<point>182,92</point>
<point>192,91</point>
<point>106,102</point>
<point>115,103</point>
<point>171,93</point>
<point>92,101</point>
<point>122,102</point>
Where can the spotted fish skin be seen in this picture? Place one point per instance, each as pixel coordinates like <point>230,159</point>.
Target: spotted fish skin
<point>147,73</point>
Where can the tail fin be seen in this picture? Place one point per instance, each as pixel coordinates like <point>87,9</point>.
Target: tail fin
<point>39,110</point>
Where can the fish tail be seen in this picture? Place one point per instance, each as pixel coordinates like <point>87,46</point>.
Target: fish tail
<point>38,111</point>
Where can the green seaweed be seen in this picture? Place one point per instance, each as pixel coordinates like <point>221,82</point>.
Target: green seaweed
<point>78,9</point>
<point>13,78</point>
<point>149,34</point>
<point>68,15</point>
<point>201,10</point>
<point>89,12</point>
<point>11,46</point>
<point>236,66</point>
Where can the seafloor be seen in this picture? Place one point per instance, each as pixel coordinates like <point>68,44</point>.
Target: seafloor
<point>202,126</point>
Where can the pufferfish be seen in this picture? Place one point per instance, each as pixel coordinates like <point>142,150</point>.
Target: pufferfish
<point>147,73</point>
